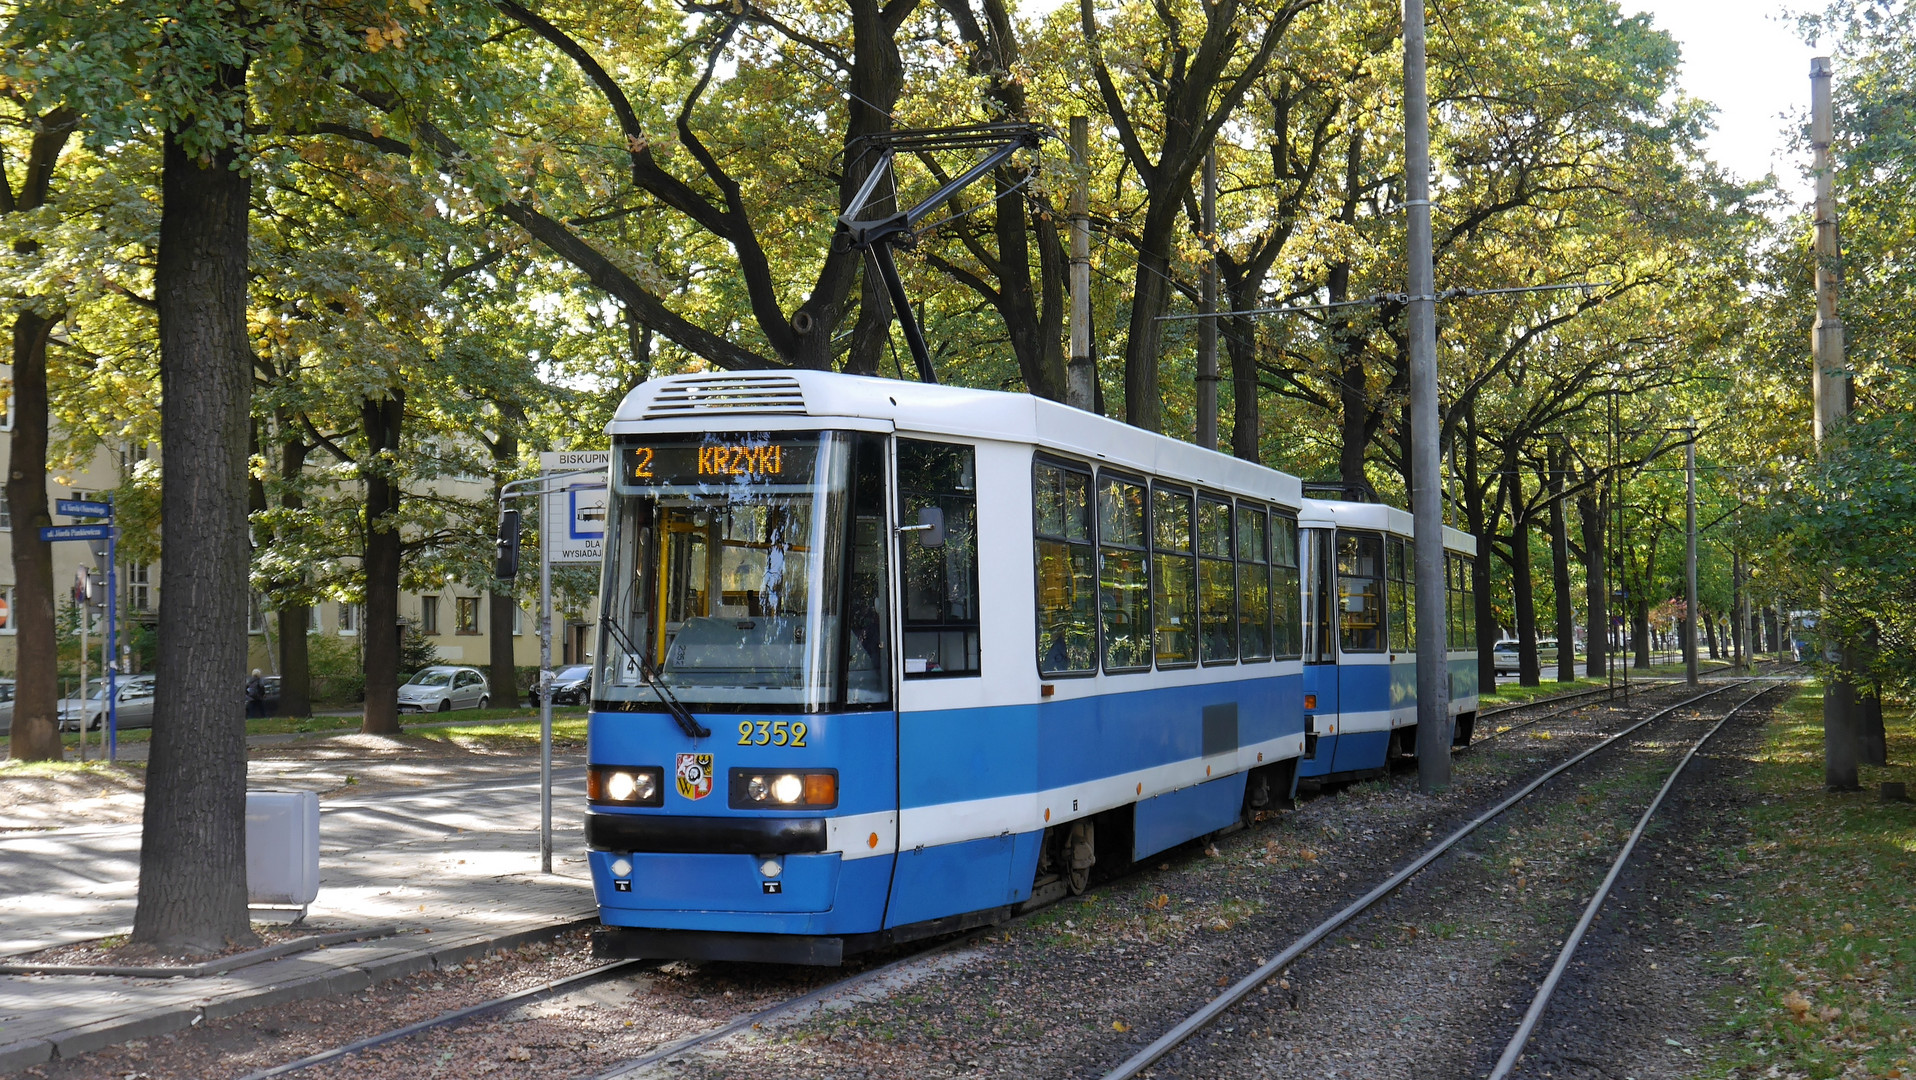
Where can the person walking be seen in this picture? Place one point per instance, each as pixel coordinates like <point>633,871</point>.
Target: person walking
<point>255,696</point>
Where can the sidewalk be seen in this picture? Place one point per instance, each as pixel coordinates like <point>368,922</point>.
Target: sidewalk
<point>454,863</point>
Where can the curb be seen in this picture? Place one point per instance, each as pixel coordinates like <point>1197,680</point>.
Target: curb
<point>72,1043</point>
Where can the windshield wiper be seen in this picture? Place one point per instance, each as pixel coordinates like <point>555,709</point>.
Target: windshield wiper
<point>656,680</point>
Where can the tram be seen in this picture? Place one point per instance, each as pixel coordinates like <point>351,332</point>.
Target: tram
<point>879,660</point>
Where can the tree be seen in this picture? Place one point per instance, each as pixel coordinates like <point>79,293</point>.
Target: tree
<point>35,734</point>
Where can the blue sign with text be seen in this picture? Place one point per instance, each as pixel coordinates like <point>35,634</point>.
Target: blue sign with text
<point>82,508</point>
<point>51,533</point>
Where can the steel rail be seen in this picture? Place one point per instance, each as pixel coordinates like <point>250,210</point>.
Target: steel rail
<point>1514,1049</point>
<point>1198,1020</point>
<point>445,1019</point>
<point>773,1012</point>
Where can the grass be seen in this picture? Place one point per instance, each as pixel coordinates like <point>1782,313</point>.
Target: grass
<point>1827,949</point>
<point>1511,693</point>
<point>288,725</point>
<point>16,767</point>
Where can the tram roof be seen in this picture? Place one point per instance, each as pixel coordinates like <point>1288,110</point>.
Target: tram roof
<point>789,400</point>
<point>1365,515</point>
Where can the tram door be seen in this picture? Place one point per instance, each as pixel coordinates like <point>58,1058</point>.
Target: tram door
<point>1317,571</point>
<point>1363,667</point>
<point>948,747</point>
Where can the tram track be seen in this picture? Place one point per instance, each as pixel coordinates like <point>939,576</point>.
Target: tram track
<point>557,995</point>
<point>1271,970</point>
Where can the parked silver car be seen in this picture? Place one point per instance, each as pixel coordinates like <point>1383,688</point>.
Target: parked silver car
<point>6,706</point>
<point>133,709</point>
<point>1507,655</point>
<point>442,688</point>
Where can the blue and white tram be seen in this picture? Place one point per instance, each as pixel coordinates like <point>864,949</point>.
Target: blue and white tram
<point>880,659</point>
<point>1360,645</point>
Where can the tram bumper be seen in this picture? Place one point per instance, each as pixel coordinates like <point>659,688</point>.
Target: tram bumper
<point>629,943</point>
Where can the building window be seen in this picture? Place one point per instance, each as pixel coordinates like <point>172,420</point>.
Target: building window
<point>468,614</point>
<point>255,615</point>
<point>938,481</point>
<point>349,618</point>
<point>6,512</point>
<point>429,614</point>
<point>518,620</point>
<point>139,587</point>
<point>312,619</point>
<point>1067,574</point>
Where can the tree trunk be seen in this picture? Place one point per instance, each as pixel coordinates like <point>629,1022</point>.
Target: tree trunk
<point>1524,598</point>
<point>1640,633</point>
<point>1143,403</point>
<point>503,604</point>
<point>295,620</point>
<point>1475,514</point>
<point>1566,609</point>
<point>382,420</point>
<point>1709,635</point>
<point>1596,588</point>
<point>192,894</point>
<point>36,734</point>
<point>1247,422</point>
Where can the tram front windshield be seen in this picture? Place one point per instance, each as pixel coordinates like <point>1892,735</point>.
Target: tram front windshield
<point>745,573</point>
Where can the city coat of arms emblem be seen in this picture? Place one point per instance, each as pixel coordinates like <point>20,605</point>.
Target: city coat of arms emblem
<point>694,775</point>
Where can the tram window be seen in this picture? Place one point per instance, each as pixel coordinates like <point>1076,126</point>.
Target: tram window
<point>1217,583</point>
<point>1124,576</point>
<point>1360,592</point>
<point>1317,570</point>
<point>1067,578</point>
<point>1253,583</point>
<point>867,645</point>
<point>1173,577</point>
<point>940,583</point>
<point>1401,568</point>
<point>1462,606</point>
<point>1287,598</point>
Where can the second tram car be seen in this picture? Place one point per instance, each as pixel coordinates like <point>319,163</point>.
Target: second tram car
<point>879,659</point>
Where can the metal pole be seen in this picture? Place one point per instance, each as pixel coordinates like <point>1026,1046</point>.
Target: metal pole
<point>1832,390</point>
<point>83,646</point>
<point>1207,303</point>
<point>1433,662</point>
<point>545,684</point>
<point>1690,614</point>
<point>1081,375</point>
<point>112,648</point>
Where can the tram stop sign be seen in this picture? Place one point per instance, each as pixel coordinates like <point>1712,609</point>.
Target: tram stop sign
<point>574,517</point>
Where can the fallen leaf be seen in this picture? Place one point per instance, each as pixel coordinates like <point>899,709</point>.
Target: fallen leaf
<point>1119,1025</point>
<point>518,1053</point>
<point>1796,1003</point>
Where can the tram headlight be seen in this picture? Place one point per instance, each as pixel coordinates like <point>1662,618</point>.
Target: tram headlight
<point>625,785</point>
<point>765,789</point>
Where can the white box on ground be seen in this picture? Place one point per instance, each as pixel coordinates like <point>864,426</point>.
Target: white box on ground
<point>282,848</point>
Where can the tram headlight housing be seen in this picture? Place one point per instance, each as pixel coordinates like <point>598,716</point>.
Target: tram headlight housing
<point>625,785</point>
<point>773,789</point>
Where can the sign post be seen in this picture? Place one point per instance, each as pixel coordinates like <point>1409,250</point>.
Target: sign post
<point>572,494</point>
<point>87,508</point>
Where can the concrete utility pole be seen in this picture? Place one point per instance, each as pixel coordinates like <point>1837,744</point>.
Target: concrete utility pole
<point>1833,390</point>
<point>1207,303</point>
<point>1426,503</point>
<point>1689,561</point>
<point>1080,375</point>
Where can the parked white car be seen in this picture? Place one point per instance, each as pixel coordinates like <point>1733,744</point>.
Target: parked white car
<point>1507,656</point>
<point>442,688</point>
<point>133,709</point>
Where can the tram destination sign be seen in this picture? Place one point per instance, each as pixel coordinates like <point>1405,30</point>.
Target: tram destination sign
<point>720,461</point>
<point>574,519</point>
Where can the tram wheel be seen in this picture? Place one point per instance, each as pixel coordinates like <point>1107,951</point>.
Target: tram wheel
<point>1080,853</point>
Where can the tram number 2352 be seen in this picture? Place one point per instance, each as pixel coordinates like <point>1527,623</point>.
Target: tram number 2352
<point>771,733</point>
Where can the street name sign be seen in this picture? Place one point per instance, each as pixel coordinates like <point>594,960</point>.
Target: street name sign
<point>82,508</point>
<point>50,533</point>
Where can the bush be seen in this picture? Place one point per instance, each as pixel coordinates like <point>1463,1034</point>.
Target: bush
<point>338,676</point>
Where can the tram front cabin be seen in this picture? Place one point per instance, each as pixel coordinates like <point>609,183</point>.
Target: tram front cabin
<point>877,659</point>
